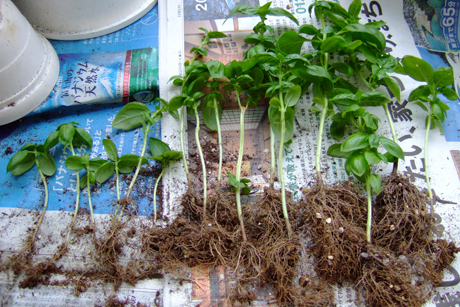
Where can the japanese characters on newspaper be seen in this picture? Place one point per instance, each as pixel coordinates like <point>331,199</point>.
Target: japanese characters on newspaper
<point>428,29</point>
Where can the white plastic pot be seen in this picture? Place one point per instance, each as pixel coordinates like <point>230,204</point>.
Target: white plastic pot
<point>29,66</point>
<point>81,19</point>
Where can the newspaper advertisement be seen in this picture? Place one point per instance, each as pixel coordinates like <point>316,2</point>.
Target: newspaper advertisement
<point>427,29</point>
<point>118,67</point>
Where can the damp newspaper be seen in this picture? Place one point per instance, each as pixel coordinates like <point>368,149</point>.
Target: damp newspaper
<point>428,29</point>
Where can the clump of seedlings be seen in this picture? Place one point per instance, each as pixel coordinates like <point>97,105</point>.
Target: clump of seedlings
<point>196,77</point>
<point>437,81</point>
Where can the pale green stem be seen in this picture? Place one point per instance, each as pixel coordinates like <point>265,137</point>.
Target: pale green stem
<point>183,122</point>
<point>369,211</point>
<point>280,169</point>
<point>238,169</point>
<point>88,186</point>
<point>393,132</point>
<point>320,139</point>
<point>272,158</point>
<point>155,195</point>
<point>40,219</point>
<point>138,168</point>
<point>77,202</point>
<point>117,208</point>
<point>203,165</point>
<point>430,193</point>
<point>219,136</point>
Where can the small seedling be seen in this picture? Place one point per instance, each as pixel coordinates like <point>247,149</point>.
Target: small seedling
<point>162,153</point>
<point>361,148</point>
<point>134,115</point>
<point>124,165</point>
<point>194,70</point>
<point>437,81</point>
<point>28,156</point>
<point>211,110</point>
<point>78,163</point>
<point>72,136</point>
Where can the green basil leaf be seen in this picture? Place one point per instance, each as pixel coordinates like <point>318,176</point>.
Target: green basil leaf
<point>345,99</point>
<point>319,75</point>
<point>374,99</point>
<point>367,34</point>
<point>438,112</point>
<point>443,76</point>
<point>356,141</point>
<point>417,68</point>
<point>131,116</point>
<point>355,8</point>
<point>292,96</point>
<point>95,163</point>
<point>392,147</point>
<point>371,121</point>
<point>20,163</point>
<point>420,104</point>
<point>393,86</point>
<point>372,157</point>
<point>357,164</point>
<point>374,141</point>
<point>338,129</point>
<point>75,163</point>
<point>389,158</point>
<point>335,151</point>
<point>449,93</point>
<point>51,140</point>
<point>66,134</point>
<point>290,42</point>
<point>216,69</point>
<point>277,11</point>
<point>29,147</point>
<point>110,149</point>
<point>172,155</point>
<point>308,29</point>
<point>275,103</point>
<point>332,43</point>
<point>47,164</point>
<point>130,160</point>
<point>375,182</point>
<point>209,112</point>
<point>216,34</point>
<point>157,147</point>
<point>105,171</point>
<point>420,93</point>
<point>84,136</point>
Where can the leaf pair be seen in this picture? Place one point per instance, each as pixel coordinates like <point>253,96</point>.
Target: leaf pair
<point>242,184</point>
<point>162,153</point>
<point>78,163</point>
<point>438,82</point>
<point>28,156</point>
<point>361,151</point>
<point>134,115</point>
<point>124,164</point>
<point>276,108</point>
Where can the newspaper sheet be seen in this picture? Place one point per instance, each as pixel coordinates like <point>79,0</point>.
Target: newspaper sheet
<point>428,29</point>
